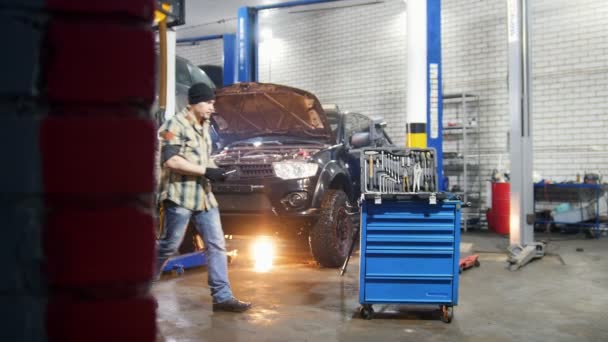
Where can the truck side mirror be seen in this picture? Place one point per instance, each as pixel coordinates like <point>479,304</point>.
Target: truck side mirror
<point>360,139</point>
<point>377,125</point>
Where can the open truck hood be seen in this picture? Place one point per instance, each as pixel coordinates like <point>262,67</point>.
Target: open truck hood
<point>247,110</point>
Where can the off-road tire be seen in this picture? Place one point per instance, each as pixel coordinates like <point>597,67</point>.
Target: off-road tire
<point>331,236</point>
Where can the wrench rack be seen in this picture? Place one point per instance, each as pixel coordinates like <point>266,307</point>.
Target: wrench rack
<point>398,171</point>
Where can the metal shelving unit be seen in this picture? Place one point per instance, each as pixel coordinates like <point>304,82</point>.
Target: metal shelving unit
<point>461,158</point>
<point>589,197</point>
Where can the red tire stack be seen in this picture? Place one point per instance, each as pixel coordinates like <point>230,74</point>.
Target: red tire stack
<point>78,192</point>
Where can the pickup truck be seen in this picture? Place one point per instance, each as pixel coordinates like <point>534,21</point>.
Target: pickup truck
<point>293,166</point>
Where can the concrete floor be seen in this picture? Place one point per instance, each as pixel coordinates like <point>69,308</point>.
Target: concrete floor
<point>562,297</point>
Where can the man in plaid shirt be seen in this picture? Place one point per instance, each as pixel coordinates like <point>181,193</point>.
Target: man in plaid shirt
<point>185,192</point>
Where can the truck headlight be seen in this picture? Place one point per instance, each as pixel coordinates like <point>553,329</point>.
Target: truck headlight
<point>294,169</point>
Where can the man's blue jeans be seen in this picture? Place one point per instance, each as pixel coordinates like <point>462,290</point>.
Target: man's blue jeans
<point>208,225</point>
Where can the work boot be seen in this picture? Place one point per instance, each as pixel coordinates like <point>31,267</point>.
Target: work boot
<point>232,305</point>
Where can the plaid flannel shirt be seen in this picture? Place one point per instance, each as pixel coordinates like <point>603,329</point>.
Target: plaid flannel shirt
<point>194,142</point>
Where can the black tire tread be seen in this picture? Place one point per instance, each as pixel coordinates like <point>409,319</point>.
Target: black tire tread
<point>322,243</point>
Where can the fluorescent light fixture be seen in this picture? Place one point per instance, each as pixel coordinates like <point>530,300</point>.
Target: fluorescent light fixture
<point>265,34</point>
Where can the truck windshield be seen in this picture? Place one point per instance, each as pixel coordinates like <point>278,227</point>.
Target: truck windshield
<point>199,76</point>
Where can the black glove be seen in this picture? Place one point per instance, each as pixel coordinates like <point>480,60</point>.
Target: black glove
<point>215,174</point>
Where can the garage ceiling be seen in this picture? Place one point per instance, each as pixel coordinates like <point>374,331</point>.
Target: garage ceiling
<point>212,17</point>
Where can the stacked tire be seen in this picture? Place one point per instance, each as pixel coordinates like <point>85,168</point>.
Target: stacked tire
<point>76,192</point>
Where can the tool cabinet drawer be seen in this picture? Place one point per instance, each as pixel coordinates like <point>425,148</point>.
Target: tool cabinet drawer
<point>401,226</point>
<point>417,242</point>
<point>424,217</point>
<point>379,263</point>
<point>408,290</point>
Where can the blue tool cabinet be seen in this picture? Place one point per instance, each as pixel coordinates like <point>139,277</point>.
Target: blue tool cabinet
<point>410,251</point>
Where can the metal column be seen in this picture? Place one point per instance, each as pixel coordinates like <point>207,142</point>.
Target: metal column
<point>434,89</point>
<point>171,41</point>
<point>424,104</point>
<point>246,40</point>
<point>229,76</point>
<point>522,248</point>
<point>417,72</point>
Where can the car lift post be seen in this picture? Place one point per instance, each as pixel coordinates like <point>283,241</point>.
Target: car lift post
<point>247,37</point>
<point>425,103</point>
<point>166,38</point>
<point>522,247</point>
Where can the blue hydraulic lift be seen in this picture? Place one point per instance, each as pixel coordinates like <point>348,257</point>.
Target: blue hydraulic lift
<point>181,262</point>
<point>247,58</point>
<point>245,63</point>
<point>434,98</point>
<point>245,43</point>
<point>247,37</point>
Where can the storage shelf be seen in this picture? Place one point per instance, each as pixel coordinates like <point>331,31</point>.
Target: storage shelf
<point>462,140</point>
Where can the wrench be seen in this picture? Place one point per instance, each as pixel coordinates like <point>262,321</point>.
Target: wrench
<point>431,171</point>
<point>371,155</point>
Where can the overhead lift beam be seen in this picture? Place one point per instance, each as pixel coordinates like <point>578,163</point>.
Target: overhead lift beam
<point>247,37</point>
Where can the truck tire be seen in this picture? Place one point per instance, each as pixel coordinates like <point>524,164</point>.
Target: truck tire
<point>331,236</point>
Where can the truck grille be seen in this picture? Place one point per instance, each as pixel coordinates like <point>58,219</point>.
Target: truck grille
<point>243,202</point>
<point>256,171</point>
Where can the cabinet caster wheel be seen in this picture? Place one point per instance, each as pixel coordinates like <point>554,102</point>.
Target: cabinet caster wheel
<point>366,311</point>
<point>447,313</point>
<point>178,270</point>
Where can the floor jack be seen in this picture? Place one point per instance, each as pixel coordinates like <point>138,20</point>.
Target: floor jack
<point>468,262</point>
<point>179,263</point>
<point>182,262</point>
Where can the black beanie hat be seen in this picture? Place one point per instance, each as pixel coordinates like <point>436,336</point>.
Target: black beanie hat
<point>200,92</point>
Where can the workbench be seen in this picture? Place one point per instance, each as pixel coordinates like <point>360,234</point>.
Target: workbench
<point>587,196</point>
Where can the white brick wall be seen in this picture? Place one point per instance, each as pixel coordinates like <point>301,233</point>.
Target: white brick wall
<point>570,85</point>
<point>570,62</point>
<point>203,52</point>
<point>356,57</point>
